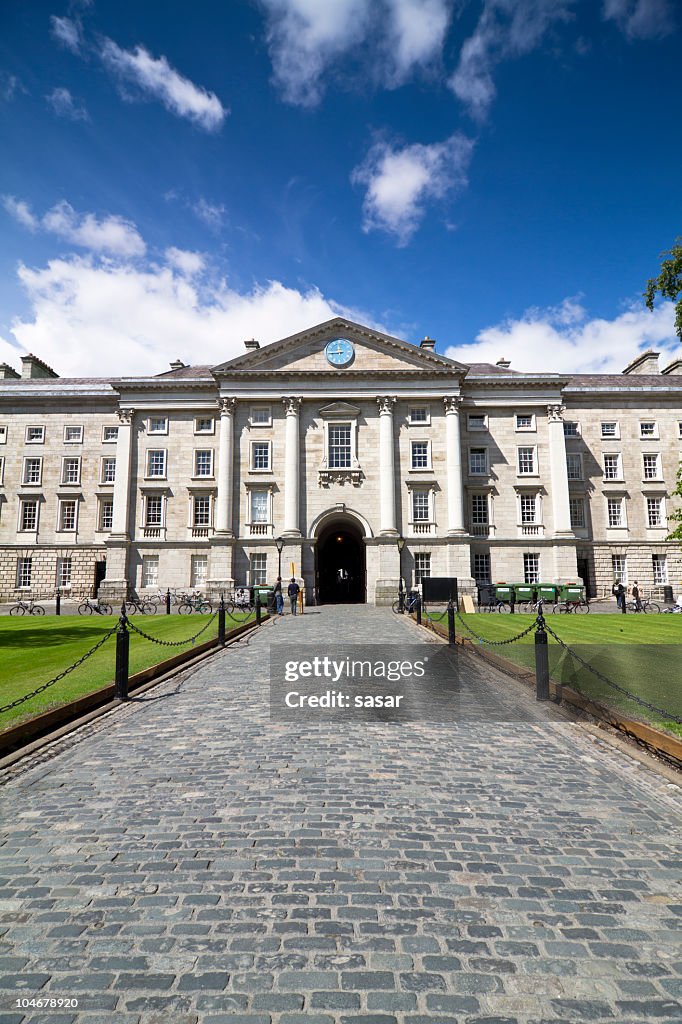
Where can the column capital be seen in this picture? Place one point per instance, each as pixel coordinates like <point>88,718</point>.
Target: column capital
<point>291,405</point>
<point>555,413</point>
<point>386,403</point>
<point>125,416</point>
<point>452,403</point>
<point>226,406</point>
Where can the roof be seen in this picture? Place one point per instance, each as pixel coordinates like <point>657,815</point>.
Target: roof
<point>181,372</point>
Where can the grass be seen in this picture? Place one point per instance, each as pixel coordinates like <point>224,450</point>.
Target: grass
<point>33,650</point>
<point>641,653</point>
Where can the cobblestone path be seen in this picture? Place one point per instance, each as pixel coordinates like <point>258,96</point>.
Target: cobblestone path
<point>188,860</point>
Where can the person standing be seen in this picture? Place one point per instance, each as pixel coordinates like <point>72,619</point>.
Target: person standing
<point>293,591</point>
<point>636,596</point>
<point>618,590</point>
<point>279,597</point>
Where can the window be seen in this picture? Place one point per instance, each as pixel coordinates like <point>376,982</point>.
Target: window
<point>679,431</point>
<point>108,470</point>
<point>260,455</point>
<point>648,428</point>
<point>525,421</point>
<point>571,428</point>
<point>419,455</point>
<point>528,508</point>
<point>419,414</point>
<point>156,462</point>
<point>659,564</point>
<point>480,567</point>
<point>150,570</point>
<point>153,510</point>
<point>199,571</point>
<point>71,470</point>
<point>203,462</point>
<point>619,568</point>
<point>479,509</point>
<point>478,461</point>
<point>204,425</point>
<point>63,580</point>
<point>576,508</point>
<point>655,512</point>
<point>35,435</point>
<point>67,514</point>
<point>201,510</point>
<point>531,568</point>
<point>106,514</point>
<point>652,467</point>
<point>260,506</point>
<point>33,470</point>
<point>109,435</point>
<point>615,512</point>
<point>477,421</point>
<point>526,461</point>
<point>339,446</point>
<point>2,469</point>
<point>610,429</point>
<point>612,467</point>
<point>73,435</point>
<point>157,425</point>
<point>28,516</point>
<point>24,572</point>
<point>574,466</point>
<point>422,565</point>
<point>260,416</point>
<point>3,433</point>
<point>420,506</point>
<point>259,570</point>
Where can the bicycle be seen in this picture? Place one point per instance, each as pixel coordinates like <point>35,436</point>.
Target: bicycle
<point>196,603</point>
<point>95,607</point>
<point>532,607</point>
<point>645,605</point>
<point>134,604</point>
<point>27,607</point>
<point>410,603</point>
<point>571,608</point>
<point>496,606</point>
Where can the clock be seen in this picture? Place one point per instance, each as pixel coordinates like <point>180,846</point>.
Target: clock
<point>339,352</point>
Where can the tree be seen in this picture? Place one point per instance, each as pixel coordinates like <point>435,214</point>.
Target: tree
<point>676,514</point>
<point>668,283</point>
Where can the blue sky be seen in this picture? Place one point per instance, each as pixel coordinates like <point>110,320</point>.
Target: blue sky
<point>499,174</point>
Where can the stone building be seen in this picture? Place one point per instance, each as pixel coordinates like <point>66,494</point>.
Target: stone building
<point>332,445</point>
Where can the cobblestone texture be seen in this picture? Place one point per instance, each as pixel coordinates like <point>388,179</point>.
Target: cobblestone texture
<point>188,860</point>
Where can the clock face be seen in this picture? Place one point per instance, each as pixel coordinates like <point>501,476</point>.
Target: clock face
<point>339,352</point>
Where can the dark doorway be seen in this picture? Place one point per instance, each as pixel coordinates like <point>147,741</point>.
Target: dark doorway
<point>584,574</point>
<point>100,573</point>
<point>341,565</point>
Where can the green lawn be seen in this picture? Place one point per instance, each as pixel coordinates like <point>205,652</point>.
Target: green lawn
<point>33,650</point>
<point>641,653</point>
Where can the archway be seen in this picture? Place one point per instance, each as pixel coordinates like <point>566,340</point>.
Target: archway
<point>340,563</point>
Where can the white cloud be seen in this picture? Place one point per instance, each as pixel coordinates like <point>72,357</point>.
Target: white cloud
<point>188,263</point>
<point>565,339</point>
<point>505,29</point>
<point>94,317</point>
<point>64,105</point>
<point>212,214</point>
<point>155,76</point>
<point>306,38</point>
<point>401,180</point>
<point>10,86</point>
<point>641,19</point>
<point>68,32</point>
<point>111,234</point>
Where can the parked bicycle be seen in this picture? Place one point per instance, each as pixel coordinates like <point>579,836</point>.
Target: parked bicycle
<point>645,605</point>
<point>496,606</point>
<point>410,602</point>
<point>144,607</point>
<point>571,608</point>
<point>531,607</point>
<point>27,608</point>
<point>95,608</point>
<point>196,603</point>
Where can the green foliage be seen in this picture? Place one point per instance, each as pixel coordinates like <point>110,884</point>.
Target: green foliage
<point>676,514</point>
<point>668,283</point>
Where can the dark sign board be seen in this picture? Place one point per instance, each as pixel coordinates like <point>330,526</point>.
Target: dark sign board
<point>439,589</point>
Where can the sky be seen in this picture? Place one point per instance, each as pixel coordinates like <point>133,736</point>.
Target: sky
<point>501,175</point>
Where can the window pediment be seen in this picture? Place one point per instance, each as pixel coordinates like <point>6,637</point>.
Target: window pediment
<point>339,410</point>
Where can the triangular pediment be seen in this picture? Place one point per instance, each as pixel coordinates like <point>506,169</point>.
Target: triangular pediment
<point>374,352</point>
<point>337,409</point>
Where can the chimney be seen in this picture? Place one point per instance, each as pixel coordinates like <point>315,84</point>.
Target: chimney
<point>177,364</point>
<point>503,364</point>
<point>646,363</point>
<point>428,343</point>
<point>674,368</point>
<point>8,372</point>
<point>251,345</point>
<point>32,367</point>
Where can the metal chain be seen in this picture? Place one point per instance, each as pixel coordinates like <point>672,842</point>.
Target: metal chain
<point>45,686</point>
<point>610,682</point>
<point>171,643</point>
<point>495,643</point>
<point>437,618</point>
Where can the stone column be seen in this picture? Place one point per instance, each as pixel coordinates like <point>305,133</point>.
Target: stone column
<point>387,517</point>
<point>292,457</point>
<point>564,552</point>
<point>124,446</point>
<point>454,463</point>
<point>223,513</point>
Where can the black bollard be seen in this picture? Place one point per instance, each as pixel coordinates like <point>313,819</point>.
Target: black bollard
<point>221,621</point>
<point>451,622</point>
<point>258,609</point>
<point>541,661</point>
<point>168,602</point>
<point>58,602</point>
<point>401,597</point>
<point>418,608</point>
<point>122,657</point>
<point>512,600</point>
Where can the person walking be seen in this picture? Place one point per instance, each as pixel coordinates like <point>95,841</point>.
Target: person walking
<point>293,591</point>
<point>636,596</point>
<point>279,597</point>
<point>618,591</point>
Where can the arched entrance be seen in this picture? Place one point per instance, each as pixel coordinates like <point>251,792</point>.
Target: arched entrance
<point>340,563</point>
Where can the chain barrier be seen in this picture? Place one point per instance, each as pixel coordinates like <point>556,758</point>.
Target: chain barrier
<point>605,679</point>
<point>170,643</point>
<point>434,618</point>
<point>45,686</point>
<point>496,643</point>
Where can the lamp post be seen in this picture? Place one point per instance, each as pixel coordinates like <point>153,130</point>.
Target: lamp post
<point>279,544</point>
<point>401,592</point>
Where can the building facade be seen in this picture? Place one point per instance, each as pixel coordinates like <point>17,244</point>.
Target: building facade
<point>319,453</point>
